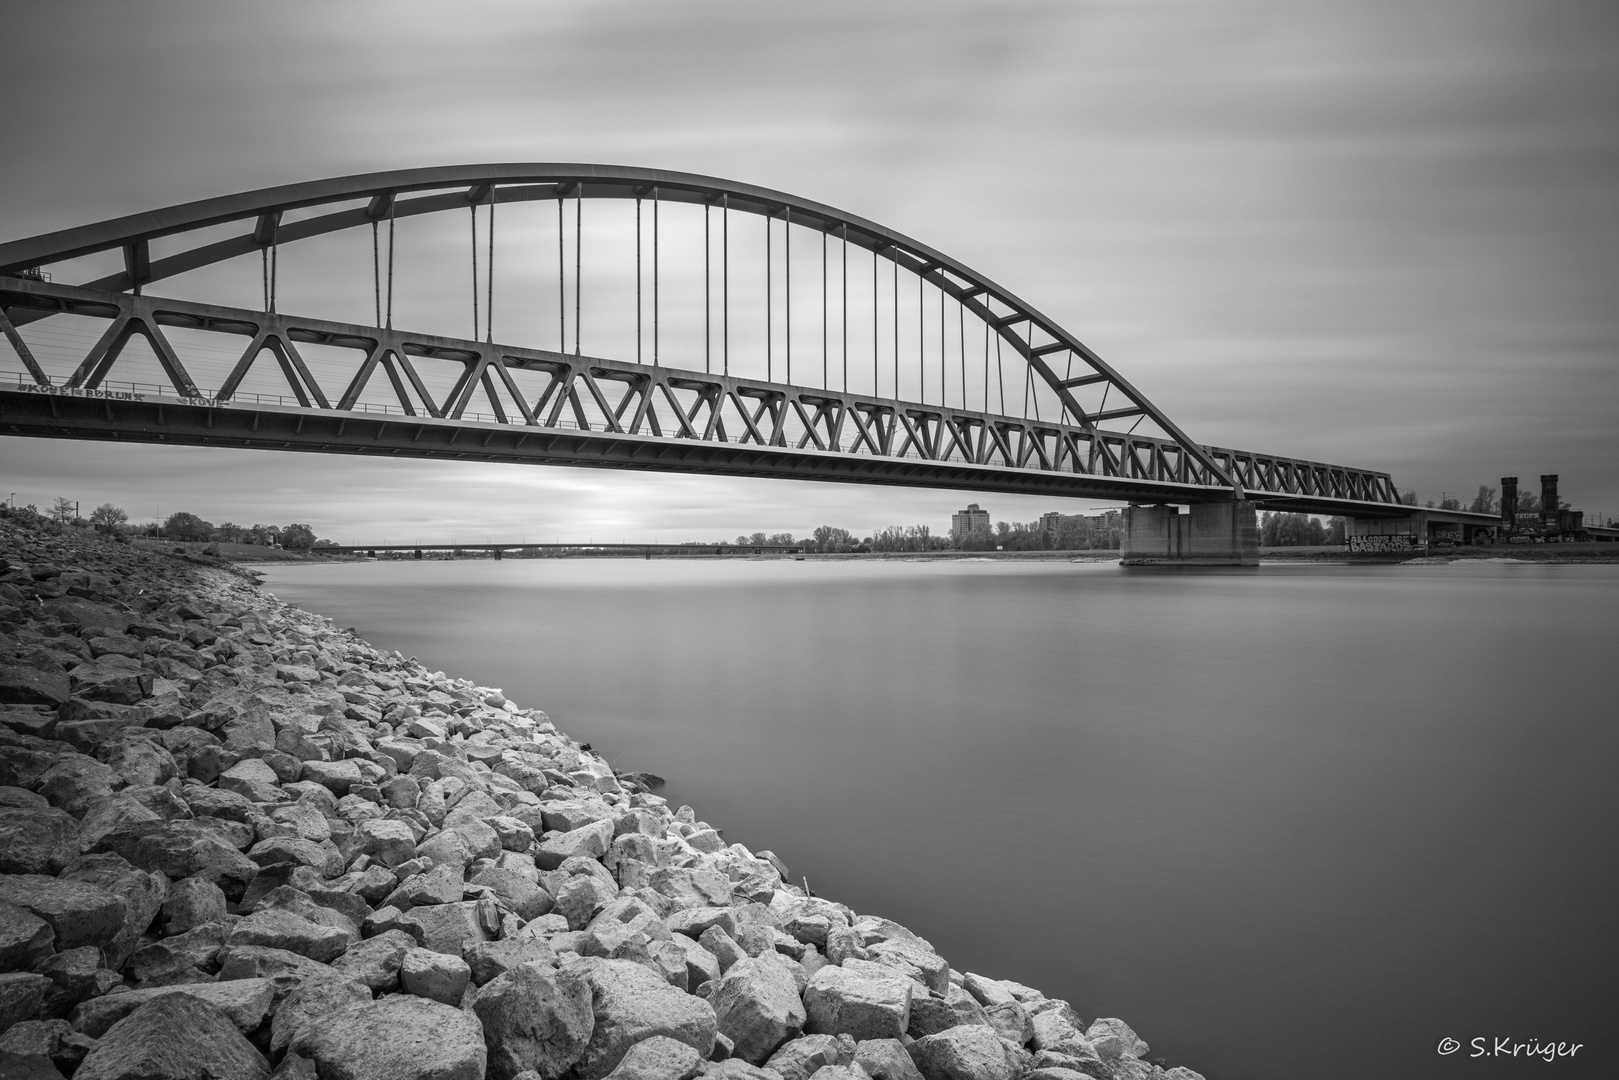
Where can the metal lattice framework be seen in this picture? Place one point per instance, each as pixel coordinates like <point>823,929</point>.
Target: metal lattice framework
<point>567,407</point>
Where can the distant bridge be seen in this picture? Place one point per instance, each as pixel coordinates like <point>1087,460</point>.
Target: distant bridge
<point>911,368</point>
<point>527,550</point>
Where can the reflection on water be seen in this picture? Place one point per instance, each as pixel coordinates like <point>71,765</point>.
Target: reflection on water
<point>1304,821</point>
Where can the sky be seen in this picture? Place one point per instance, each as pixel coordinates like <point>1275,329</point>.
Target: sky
<point>1375,233</point>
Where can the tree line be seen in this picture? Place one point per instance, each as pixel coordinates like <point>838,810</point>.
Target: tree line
<point>1486,501</point>
<point>1298,530</point>
<point>1007,536</point>
<point>829,539</point>
<point>182,526</point>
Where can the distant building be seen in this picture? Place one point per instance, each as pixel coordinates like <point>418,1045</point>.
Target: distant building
<point>970,525</point>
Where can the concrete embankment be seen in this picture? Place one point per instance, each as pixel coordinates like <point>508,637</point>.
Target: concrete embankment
<point>237,841</point>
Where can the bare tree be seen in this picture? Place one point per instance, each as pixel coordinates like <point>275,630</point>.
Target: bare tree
<point>64,510</point>
<point>108,518</point>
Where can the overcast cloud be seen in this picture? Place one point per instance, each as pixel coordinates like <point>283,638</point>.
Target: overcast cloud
<point>1375,233</point>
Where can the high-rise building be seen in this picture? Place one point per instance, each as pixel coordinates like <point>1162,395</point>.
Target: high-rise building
<point>970,525</point>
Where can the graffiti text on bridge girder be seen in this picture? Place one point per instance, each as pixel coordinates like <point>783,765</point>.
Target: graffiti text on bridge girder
<point>112,395</point>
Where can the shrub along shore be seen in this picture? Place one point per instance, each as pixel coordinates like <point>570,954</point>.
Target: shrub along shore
<point>237,841</point>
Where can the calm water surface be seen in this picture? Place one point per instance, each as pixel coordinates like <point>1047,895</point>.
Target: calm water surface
<point>1300,822</point>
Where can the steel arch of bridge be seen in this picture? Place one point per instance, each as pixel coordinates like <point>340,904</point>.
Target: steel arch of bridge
<point>838,435</point>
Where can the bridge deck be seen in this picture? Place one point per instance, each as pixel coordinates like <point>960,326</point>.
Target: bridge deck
<point>715,424</point>
<point>149,418</point>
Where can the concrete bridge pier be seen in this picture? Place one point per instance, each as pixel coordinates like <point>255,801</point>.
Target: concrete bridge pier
<point>1211,534</point>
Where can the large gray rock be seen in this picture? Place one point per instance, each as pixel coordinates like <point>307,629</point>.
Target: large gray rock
<point>490,959</point>
<point>21,684</point>
<point>387,842</point>
<point>434,975</point>
<point>21,995</point>
<point>322,858</point>
<point>444,884</point>
<point>860,999</point>
<point>245,1002</point>
<point>658,1058</point>
<point>375,961</point>
<point>931,1015</point>
<point>37,841</point>
<point>74,782</point>
<point>142,762</point>
<point>582,899</point>
<point>330,913</point>
<point>701,965</point>
<point>1001,1007</point>
<point>1063,1072</point>
<point>718,944</point>
<point>316,997</point>
<point>912,958</point>
<point>108,818</point>
<point>1056,1032</point>
<point>566,815</point>
<point>111,678</point>
<point>75,974</point>
<point>25,938</point>
<point>736,1069</point>
<point>190,903</point>
<point>450,928</point>
<point>303,816</point>
<point>252,779</point>
<point>589,841</point>
<point>175,1037</point>
<point>987,991</point>
<point>284,969</point>
<point>885,1059</point>
<point>1011,1022</point>
<point>78,612</point>
<point>143,894</point>
<point>535,1019</point>
<point>447,848</point>
<point>54,1040</point>
<point>801,1057</point>
<point>968,1052</point>
<point>281,929</point>
<point>1113,1039</point>
<point>630,1003</point>
<point>515,891</point>
<point>757,1007</point>
<point>695,922</point>
<point>394,1038</point>
<point>183,849</point>
<point>78,913</point>
<point>336,776</point>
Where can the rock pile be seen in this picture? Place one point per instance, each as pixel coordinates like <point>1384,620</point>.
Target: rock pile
<point>236,842</point>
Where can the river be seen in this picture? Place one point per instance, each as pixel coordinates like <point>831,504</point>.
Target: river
<point>1304,821</point>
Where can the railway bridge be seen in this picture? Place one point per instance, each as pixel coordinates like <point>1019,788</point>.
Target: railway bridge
<point>734,330</point>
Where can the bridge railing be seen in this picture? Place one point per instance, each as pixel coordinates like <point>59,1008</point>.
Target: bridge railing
<point>1023,446</point>
<point>22,380</point>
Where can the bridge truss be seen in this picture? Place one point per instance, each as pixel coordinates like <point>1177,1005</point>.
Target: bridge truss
<point>375,389</point>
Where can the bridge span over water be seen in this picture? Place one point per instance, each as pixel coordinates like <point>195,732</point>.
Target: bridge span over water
<point>734,330</point>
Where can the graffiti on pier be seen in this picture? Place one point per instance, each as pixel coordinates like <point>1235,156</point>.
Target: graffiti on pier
<point>1385,542</point>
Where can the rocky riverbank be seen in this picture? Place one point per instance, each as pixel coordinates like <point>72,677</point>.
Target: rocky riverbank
<point>237,841</point>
